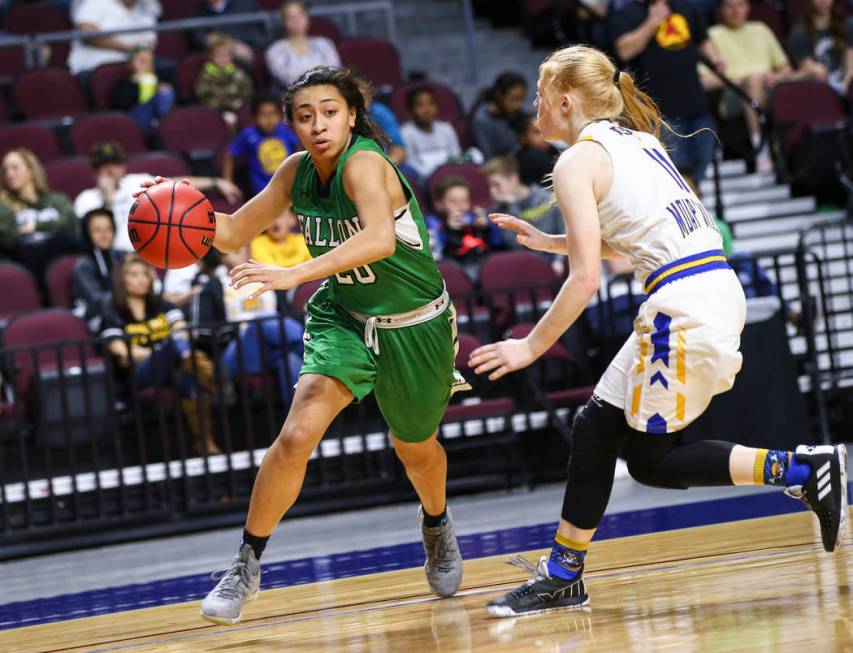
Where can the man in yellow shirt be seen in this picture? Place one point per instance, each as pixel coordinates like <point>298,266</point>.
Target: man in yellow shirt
<point>280,244</point>
<point>753,57</point>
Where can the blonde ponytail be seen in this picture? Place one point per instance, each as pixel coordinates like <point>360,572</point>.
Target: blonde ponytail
<point>602,90</point>
<point>639,111</point>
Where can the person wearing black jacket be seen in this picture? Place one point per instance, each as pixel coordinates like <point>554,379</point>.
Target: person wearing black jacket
<point>92,279</point>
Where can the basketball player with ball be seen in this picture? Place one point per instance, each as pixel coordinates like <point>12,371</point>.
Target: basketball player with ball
<point>381,322</point>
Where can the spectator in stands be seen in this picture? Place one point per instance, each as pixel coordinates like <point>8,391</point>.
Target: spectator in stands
<point>265,144</point>
<point>493,113</point>
<point>429,143</point>
<point>92,283</point>
<point>103,15</point>
<point>662,40</point>
<point>821,44</point>
<point>36,224</point>
<point>535,155</point>
<point>289,57</point>
<point>263,339</point>
<point>141,93</point>
<point>247,37</point>
<point>529,202</point>
<point>221,84</point>
<point>281,244</point>
<point>382,115</point>
<point>141,329</point>
<point>115,188</point>
<point>463,231</point>
<point>753,59</point>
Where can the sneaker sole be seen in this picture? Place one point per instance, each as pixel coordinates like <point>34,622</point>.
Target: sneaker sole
<point>223,621</point>
<point>841,452</point>
<point>506,611</point>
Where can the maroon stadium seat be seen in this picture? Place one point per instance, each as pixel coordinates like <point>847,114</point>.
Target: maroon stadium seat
<point>13,61</point>
<point>38,19</point>
<point>102,81</point>
<point>164,164</point>
<point>511,281</point>
<point>48,93</point>
<point>174,9</point>
<point>52,325</point>
<point>194,129</point>
<point>461,290</point>
<point>469,172</point>
<point>375,59</point>
<point>186,75</point>
<point>324,27</point>
<point>118,127</point>
<point>449,108</point>
<point>793,116</point>
<point>172,45</point>
<point>59,276</point>
<point>19,291</point>
<point>70,176</point>
<point>564,397</point>
<point>38,138</point>
<point>765,13</point>
<point>463,132</point>
<point>796,9</point>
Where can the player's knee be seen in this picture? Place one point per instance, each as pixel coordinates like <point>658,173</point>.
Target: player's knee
<point>418,455</point>
<point>295,443</point>
<point>643,461</point>
<point>598,431</point>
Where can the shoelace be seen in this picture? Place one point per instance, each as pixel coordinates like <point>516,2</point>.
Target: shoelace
<point>537,571</point>
<point>229,585</point>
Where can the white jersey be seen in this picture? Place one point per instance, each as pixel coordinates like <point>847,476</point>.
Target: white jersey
<point>650,215</point>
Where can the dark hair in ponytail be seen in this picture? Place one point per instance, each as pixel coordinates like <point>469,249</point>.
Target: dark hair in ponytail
<point>503,83</point>
<point>351,88</point>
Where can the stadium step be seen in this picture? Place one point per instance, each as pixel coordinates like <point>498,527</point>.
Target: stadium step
<point>765,210</point>
<point>739,183</point>
<point>748,196</point>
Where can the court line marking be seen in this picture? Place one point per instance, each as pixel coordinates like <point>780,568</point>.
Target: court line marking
<point>475,591</point>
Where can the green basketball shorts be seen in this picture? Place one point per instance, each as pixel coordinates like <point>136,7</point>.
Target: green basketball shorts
<point>413,375</point>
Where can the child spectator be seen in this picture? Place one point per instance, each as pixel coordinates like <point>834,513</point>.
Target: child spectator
<point>265,144</point>
<point>535,156</point>
<point>36,224</point>
<point>462,230</point>
<point>821,44</point>
<point>493,112</point>
<point>141,93</point>
<point>91,284</point>
<point>222,84</point>
<point>531,203</point>
<point>281,244</point>
<point>291,56</point>
<point>429,142</point>
<point>149,337</point>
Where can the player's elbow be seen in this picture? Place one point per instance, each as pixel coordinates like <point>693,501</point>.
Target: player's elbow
<point>386,247</point>
<point>586,282</point>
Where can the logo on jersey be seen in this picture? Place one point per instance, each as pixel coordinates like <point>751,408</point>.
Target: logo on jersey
<point>673,33</point>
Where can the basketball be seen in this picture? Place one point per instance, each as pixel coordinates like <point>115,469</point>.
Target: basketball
<point>171,225</point>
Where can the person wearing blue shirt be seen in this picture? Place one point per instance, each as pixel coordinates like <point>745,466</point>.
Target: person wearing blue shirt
<point>265,144</point>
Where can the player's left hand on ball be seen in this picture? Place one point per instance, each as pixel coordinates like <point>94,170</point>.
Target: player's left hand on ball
<point>501,358</point>
<point>157,180</point>
<point>271,277</point>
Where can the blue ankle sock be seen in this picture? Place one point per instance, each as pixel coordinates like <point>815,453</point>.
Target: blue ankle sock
<point>566,559</point>
<point>777,467</point>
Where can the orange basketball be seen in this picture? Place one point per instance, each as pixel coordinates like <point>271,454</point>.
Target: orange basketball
<point>171,225</point>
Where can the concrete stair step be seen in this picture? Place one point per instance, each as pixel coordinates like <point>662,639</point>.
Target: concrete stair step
<point>750,196</point>
<point>740,182</point>
<point>771,209</point>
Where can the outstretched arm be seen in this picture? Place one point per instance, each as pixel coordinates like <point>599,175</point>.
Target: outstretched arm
<point>364,178</point>
<point>577,175</point>
<point>535,239</point>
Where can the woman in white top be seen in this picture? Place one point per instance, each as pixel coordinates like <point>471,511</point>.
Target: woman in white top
<point>621,196</point>
<point>291,56</point>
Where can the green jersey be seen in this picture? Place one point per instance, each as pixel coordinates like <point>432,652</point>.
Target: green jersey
<point>399,283</point>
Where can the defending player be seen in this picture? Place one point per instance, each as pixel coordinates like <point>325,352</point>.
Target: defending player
<point>382,321</point>
<point>620,195</point>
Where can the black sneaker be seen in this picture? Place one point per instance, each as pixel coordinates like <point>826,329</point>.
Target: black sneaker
<point>542,593</point>
<point>825,491</point>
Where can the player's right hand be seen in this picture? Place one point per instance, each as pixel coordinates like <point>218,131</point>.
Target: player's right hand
<point>526,233</point>
<point>157,180</point>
